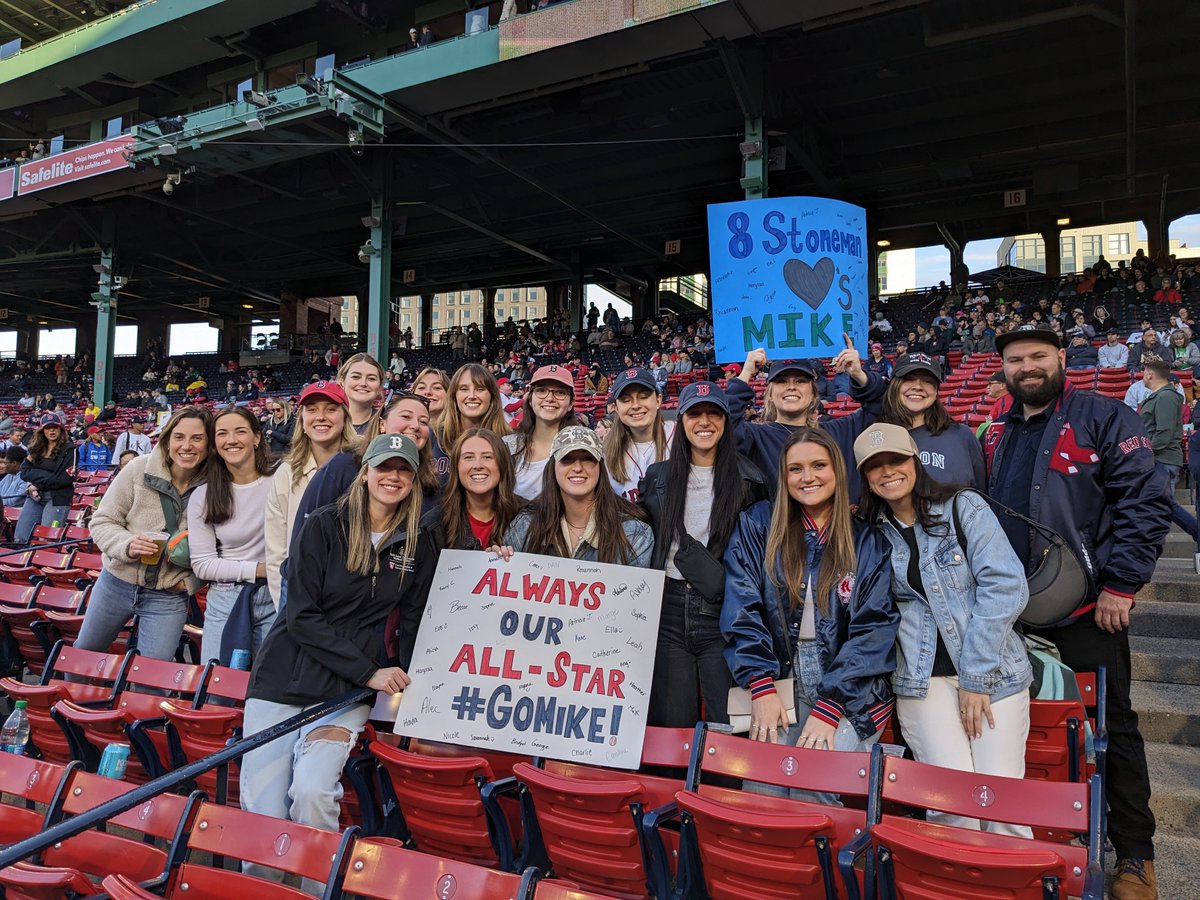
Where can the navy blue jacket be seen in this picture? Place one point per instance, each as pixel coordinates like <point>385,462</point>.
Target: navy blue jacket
<point>857,640</point>
<point>1095,484</point>
<point>762,442</point>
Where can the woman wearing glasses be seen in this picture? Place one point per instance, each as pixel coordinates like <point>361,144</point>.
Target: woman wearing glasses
<point>548,408</point>
<point>279,425</point>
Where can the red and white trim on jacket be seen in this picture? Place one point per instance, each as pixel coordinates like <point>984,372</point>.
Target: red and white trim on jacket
<point>828,711</point>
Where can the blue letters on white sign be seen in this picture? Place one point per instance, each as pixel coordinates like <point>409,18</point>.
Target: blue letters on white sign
<point>788,274</point>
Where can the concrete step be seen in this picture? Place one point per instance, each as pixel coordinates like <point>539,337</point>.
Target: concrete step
<point>1175,786</point>
<point>1179,545</point>
<point>1172,660</point>
<point>1169,620</point>
<point>1175,856</point>
<point>1167,713</point>
<point>1174,581</point>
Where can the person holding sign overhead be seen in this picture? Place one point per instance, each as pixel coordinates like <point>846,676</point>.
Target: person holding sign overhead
<point>356,562</point>
<point>792,391</point>
<point>693,500</point>
<point>577,514</point>
<point>820,612</point>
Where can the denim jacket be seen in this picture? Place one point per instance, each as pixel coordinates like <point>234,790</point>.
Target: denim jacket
<point>972,602</point>
<point>641,539</point>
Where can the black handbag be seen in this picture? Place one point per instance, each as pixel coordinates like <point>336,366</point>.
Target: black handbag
<point>1057,584</point>
<point>700,569</point>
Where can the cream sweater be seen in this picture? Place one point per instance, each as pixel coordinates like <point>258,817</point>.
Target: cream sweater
<point>132,505</point>
<point>283,498</point>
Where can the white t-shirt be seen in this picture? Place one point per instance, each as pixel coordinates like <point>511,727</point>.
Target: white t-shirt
<point>638,458</point>
<point>529,472</point>
<point>696,510</point>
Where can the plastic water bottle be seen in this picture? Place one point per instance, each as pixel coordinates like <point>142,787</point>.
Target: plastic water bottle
<point>15,733</point>
<point>240,659</point>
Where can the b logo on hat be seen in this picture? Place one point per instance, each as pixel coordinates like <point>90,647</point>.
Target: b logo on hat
<point>702,390</point>
<point>631,373</point>
<point>876,438</point>
<point>319,384</point>
<point>397,442</point>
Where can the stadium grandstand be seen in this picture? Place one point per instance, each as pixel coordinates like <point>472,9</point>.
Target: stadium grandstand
<point>369,204</point>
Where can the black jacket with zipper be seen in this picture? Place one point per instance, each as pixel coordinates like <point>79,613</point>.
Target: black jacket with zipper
<point>331,636</point>
<point>653,498</point>
<point>49,475</point>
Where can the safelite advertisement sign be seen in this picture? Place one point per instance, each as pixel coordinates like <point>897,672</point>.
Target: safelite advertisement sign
<point>73,165</point>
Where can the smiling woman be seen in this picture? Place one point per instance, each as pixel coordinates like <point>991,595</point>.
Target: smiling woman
<point>144,506</point>
<point>548,407</point>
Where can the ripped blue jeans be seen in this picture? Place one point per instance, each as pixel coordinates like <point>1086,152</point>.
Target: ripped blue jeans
<point>295,778</point>
<point>807,672</point>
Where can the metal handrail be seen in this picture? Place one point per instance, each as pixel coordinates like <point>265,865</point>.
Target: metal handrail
<point>33,548</point>
<point>82,822</point>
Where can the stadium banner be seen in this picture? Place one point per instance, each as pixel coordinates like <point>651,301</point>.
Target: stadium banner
<point>538,655</point>
<point>8,181</point>
<point>75,164</point>
<point>788,274</point>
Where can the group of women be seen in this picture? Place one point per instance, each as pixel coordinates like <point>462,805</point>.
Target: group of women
<point>320,565</point>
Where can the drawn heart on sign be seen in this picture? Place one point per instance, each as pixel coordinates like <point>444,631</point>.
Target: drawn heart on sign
<point>809,283</point>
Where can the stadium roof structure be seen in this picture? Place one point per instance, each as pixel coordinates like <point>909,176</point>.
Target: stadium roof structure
<point>571,143</point>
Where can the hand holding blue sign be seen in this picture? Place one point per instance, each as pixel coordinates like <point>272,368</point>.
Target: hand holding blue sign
<point>848,361</point>
<point>788,274</point>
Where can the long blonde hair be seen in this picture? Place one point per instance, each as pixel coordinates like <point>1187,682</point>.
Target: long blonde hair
<point>450,424</point>
<point>301,447</point>
<point>786,541</point>
<point>362,558</point>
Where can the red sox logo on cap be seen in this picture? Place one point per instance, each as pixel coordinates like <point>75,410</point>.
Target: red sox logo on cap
<point>702,390</point>
<point>631,373</point>
<point>397,442</point>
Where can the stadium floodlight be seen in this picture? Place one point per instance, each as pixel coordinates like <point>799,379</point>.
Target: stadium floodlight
<point>262,101</point>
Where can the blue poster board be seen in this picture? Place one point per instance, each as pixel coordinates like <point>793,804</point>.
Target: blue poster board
<point>788,274</point>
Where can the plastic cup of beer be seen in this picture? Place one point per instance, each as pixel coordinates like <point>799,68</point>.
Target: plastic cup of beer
<point>159,538</point>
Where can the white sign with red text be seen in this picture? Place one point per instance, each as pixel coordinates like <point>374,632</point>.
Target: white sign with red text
<point>539,656</point>
<point>74,165</point>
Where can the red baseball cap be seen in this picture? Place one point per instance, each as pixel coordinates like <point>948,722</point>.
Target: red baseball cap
<point>559,374</point>
<point>324,390</point>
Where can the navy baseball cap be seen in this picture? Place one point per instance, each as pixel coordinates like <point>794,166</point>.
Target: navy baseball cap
<point>626,377</point>
<point>702,392</point>
<point>808,367</point>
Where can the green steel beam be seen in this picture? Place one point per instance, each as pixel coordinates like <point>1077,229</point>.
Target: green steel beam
<point>754,178</point>
<point>105,299</point>
<point>379,291</point>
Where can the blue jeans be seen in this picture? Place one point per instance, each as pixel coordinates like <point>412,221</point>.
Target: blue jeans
<point>38,512</point>
<point>161,615</point>
<point>1179,515</point>
<point>807,673</point>
<point>221,598</point>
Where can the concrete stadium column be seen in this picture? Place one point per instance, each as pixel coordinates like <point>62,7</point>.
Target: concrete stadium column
<point>26,341</point>
<point>575,296</point>
<point>1157,242</point>
<point>489,314</point>
<point>1052,239</point>
<point>105,299</point>
<point>427,334</point>
<point>85,337</point>
<point>379,287</point>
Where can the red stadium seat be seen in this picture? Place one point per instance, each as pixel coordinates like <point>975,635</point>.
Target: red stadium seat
<point>383,869</point>
<point>204,727</point>
<point>62,870</point>
<point>94,677</point>
<point>47,534</point>
<point>25,624</point>
<point>225,831</point>
<point>92,729</point>
<point>1055,749</point>
<point>751,845</point>
<point>31,781</point>
<point>437,789</point>
<point>916,859</point>
<point>553,889</point>
<point>586,821</point>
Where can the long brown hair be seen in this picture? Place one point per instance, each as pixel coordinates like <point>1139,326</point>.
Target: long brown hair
<point>218,500</point>
<point>505,502</point>
<point>525,428</point>
<point>301,447</point>
<point>545,530</point>
<point>620,437</point>
<point>787,545</point>
<point>40,447</point>
<point>362,558</point>
<point>892,411</point>
<point>450,423</point>
<point>164,438</point>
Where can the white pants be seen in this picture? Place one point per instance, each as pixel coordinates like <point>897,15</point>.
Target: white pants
<point>295,778</point>
<point>934,732</point>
